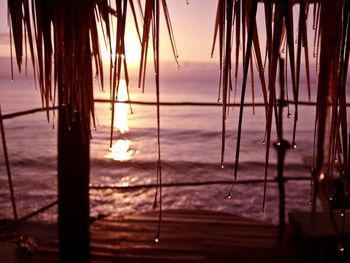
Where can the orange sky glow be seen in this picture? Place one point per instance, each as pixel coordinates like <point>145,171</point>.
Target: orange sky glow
<point>193,26</point>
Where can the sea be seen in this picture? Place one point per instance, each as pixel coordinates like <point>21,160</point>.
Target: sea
<point>190,142</point>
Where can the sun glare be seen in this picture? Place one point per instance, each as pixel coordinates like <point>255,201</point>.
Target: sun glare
<point>121,109</point>
<point>120,150</point>
<point>132,51</point>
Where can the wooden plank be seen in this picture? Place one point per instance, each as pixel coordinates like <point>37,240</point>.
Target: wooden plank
<point>186,236</point>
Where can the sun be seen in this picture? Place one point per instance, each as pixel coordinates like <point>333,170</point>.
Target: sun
<point>132,51</point>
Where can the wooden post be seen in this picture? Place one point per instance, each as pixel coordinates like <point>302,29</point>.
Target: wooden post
<point>281,146</point>
<point>73,190</point>
<point>8,170</point>
<point>73,176</point>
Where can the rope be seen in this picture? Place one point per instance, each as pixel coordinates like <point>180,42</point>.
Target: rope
<point>150,103</point>
<point>26,217</point>
<point>209,104</point>
<point>219,182</point>
<point>26,112</point>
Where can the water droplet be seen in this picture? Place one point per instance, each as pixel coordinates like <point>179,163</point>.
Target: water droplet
<point>218,100</point>
<point>156,239</point>
<point>278,143</point>
<point>289,115</point>
<point>229,196</point>
<point>310,202</point>
<point>294,145</point>
<point>342,213</point>
<point>263,142</point>
<point>263,210</point>
<point>222,166</point>
<point>330,198</point>
<point>341,247</point>
<point>154,204</point>
<point>335,160</point>
<point>11,80</point>
<point>178,67</point>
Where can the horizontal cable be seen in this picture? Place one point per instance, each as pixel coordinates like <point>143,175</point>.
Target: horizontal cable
<point>141,186</point>
<point>215,104</point>
<point>185,103</point>
<point>225,182</point>
<point>26,112</point>
<point>28,216</point>
<point>150,103</point>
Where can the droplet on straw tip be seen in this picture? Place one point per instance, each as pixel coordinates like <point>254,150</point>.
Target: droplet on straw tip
<point>228,196</point>
<point>155,204</point>
<point>289,115</point>
<point>263,142</point>
<point>156,239</point>
<point>341,247</point>
<point>342,213</point>
<point>309,202</point>
<point>294,145</point>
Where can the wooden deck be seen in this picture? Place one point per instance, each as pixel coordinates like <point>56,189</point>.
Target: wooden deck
<point>186,236</point>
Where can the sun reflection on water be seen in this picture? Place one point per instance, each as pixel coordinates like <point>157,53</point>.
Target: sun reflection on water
<point>121,109</point>
<point>120,150</point>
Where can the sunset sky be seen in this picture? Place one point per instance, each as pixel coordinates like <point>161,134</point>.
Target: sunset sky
<point>193,26</point>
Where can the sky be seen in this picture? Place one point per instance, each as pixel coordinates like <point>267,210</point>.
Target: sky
<point>193,26</point>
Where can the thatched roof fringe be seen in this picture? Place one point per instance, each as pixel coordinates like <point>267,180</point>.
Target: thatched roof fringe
<point>69,38</point>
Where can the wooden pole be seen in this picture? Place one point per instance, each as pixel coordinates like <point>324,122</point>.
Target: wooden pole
<point>281,146</point>
<point>73,176</point>
<point>8,170</point>
<point>73,190</point>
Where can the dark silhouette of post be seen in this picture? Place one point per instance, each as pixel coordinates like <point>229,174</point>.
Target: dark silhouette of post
<point>73,175</point>
<point>73,190</point>
<point>281,146</point>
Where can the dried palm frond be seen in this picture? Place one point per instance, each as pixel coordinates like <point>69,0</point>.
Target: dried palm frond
<point>332,68</point>
<point>68,42</point>
<point>64,34</point>
<point>152,24</point>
